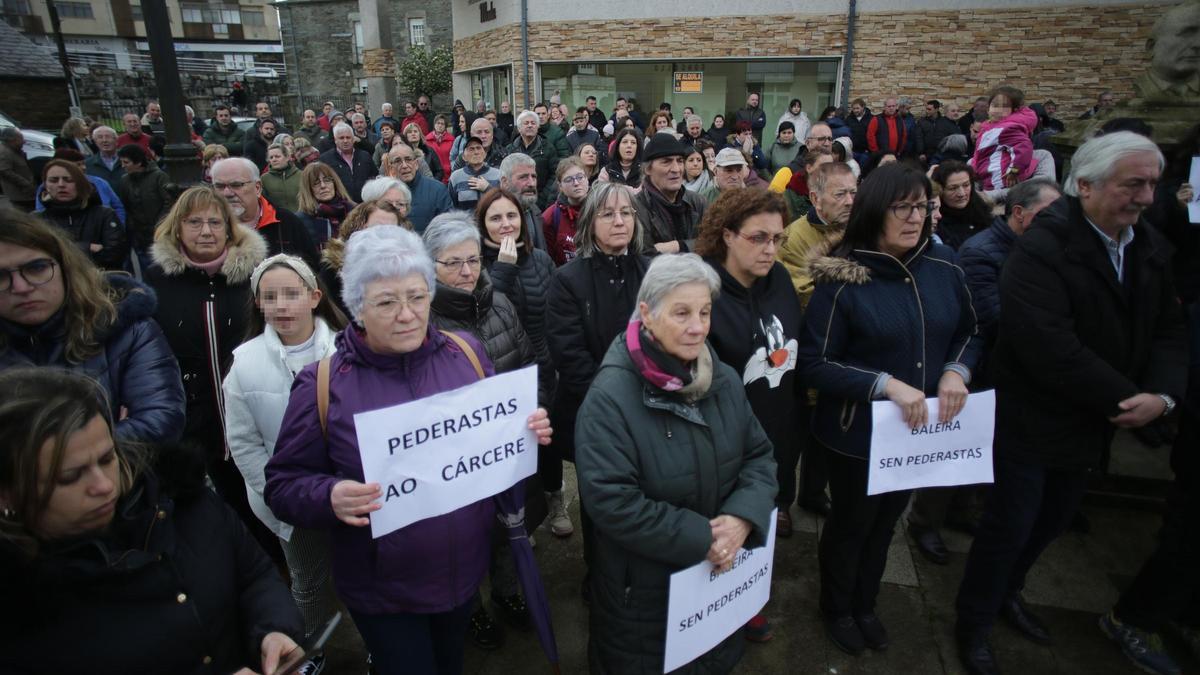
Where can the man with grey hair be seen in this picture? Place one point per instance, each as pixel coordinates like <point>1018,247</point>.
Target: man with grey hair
<point>518,175</point>
<point>531,143</point>
<point>693,130</point>
<point>385,115</point>
<point>364,138</point>
<point>352,164</point>
<point>429,197</point>
<point>1091,339</point>
<point>237,179</point>
<point>1105,101</point>
<point>105,164</point>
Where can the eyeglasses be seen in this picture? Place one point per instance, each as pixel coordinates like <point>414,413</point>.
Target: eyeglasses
<point>821,139</point>
<point>571,180</point>
<point>323,180</point>
<point>762,238</point>
<point>904,210</point>
<point>35,273</point>
<point>390,308</point>
<point>456,264</point>
<point>405,160</point>
<point>197,224</point>
<point>235,186</point>
<point>400,206</point>
<point>611,214</point>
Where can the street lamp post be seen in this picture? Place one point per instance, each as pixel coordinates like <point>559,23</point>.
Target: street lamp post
<point>182,162</point>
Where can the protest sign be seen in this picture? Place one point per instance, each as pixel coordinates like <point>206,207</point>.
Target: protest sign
<point>445,451</point>
<point>705,607</point>
<point>958,452</point>
<point>1194,205</point>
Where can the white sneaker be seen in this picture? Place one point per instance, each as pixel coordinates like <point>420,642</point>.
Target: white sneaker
<point>560,522</point>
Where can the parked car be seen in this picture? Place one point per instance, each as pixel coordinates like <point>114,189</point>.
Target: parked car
<point>259,71</point>
<point>37,143</point>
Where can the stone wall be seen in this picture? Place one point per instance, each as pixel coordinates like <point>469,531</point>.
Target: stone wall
<point>107,94</point>
<point>321,66</point>
<point>36,103</point>
<point>1067,53</point>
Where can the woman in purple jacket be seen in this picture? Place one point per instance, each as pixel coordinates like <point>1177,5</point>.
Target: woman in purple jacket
<point>410,591</point>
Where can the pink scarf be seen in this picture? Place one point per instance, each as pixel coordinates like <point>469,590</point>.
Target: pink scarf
<point>212,267</point>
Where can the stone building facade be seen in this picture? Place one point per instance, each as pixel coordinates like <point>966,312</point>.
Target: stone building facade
<point>1068,51</point>
<point>323,51</point>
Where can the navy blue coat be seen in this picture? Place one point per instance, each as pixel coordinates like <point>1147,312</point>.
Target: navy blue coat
<point>872,314</point>
<point>135,364</point>
<point>981,258</point>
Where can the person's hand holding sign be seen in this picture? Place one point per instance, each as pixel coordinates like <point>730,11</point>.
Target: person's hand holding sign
<point>728,533</point>
<point>910,400</point>
<point>352,501</point>
<point>539,424</point>
<point>952,395</point>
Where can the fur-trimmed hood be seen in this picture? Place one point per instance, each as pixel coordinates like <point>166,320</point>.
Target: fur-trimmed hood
<point>334,255</point>
<point>826,268</point>
<point>238,265</point>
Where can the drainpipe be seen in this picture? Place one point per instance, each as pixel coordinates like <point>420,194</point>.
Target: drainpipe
<point>525,50</point>
<point>850,27</point>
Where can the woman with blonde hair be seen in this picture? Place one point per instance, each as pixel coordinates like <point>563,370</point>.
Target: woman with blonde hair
<point>323,201</point>
<point>59,310</point>
<point>415,138</point>
<point>212,153</point>
<point>203,259</point>
<point>76,136</point>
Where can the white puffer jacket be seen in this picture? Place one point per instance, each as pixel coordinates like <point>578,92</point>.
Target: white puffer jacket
<point>257,389</point>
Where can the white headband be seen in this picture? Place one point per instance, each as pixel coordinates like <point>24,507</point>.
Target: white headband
<point>293,263</point>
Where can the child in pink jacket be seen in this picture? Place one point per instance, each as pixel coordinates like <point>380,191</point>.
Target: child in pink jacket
<point>1004,150</point>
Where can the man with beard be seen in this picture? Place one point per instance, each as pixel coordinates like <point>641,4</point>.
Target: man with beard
<point>237,179</point>
<point>930,131</point>
<point>668,214</point>
<point>429,197</point>
<point>255,149</point>
<point>531,143</point>
<point>363,138</point>
<point>519,175</point>
<point>224,131</point>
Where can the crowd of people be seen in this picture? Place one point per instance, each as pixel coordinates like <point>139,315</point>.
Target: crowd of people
<point>711,311</point>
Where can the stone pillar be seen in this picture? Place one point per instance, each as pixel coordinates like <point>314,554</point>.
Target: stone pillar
<point>379,55</point>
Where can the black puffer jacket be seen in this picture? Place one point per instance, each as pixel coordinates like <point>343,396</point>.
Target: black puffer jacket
<point>591,300</point>
<point>204,319</point>
<point>527,285</point>
<point>94,223</point>
<point>981,258</point>
<point>147,200</point>
<point>134,365</point>
<point>175,585</point>
<point>493,319</point>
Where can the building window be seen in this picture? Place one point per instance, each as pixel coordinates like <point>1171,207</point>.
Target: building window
<point>239,62</point>
<point>220,29</point>
<point>362,85</point>
<point>74,10</point>
<point>19,7</point>
<point>358,42</point>
<point>252,17</point>
<point>216,15</point>
<point>135,11</point>
<point>416,32</point>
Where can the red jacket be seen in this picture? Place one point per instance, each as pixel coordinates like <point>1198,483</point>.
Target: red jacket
<point>442,148</point>
<point>889,136</point>
<point>142,139</point>
<point>416,118</point>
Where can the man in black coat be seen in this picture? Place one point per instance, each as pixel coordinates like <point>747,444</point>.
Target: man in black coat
<point>238,181</point>
<point>354,166</point>
<point>930,131</point>
<point>1091,339</point>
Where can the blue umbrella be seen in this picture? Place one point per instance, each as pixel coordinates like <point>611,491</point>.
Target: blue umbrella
<point>510,511</point>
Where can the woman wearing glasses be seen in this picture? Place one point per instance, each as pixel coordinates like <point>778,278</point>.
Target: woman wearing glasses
<point>890,318</point>
<point>323,201</point>
<point>57,309</point>
<point>411,591</point>
<point>202,264</point>
<point>560,218</point>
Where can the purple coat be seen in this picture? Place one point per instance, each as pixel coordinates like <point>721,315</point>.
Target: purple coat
<point>429,566</point>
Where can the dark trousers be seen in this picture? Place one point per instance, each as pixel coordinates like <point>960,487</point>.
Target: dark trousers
<point>932,507</point>
<point>416,644</point>
<point>811,457</point>
<point>550,468</point>
<point>231,487</point>
<point>854,543</point>
<point>1168,584</point>
<point>1029,507</point>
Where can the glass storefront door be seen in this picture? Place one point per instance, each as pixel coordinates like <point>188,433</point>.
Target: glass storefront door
<point>491,86</point>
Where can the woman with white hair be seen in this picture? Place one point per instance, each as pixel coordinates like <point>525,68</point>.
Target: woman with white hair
<point>392,191</point>
<point>674,469</point>
<point>410,591</point>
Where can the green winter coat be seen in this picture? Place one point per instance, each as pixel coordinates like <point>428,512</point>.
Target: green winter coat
<point>232,137</point>
<point>781,154</point>
<point>653,470</point>
<point>282,188</point>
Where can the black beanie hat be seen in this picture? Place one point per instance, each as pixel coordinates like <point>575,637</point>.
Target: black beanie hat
<point>664,145</point>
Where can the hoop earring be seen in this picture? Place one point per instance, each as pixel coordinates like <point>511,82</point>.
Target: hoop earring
<point>8,513</point>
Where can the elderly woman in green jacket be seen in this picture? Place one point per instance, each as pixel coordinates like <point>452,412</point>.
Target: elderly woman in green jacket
<point>281,182</point>
<point>674,469</point>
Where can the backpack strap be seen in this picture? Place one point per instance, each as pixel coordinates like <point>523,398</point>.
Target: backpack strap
<point>323,393</point>
<point>466,349</point>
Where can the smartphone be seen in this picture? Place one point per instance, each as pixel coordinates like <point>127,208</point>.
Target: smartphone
<point>312,646</point>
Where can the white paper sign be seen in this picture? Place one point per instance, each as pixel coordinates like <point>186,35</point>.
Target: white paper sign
<point>704,607</point>
<point>1194,205</point>
<point>449,450</point>
<point>958,452</point>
